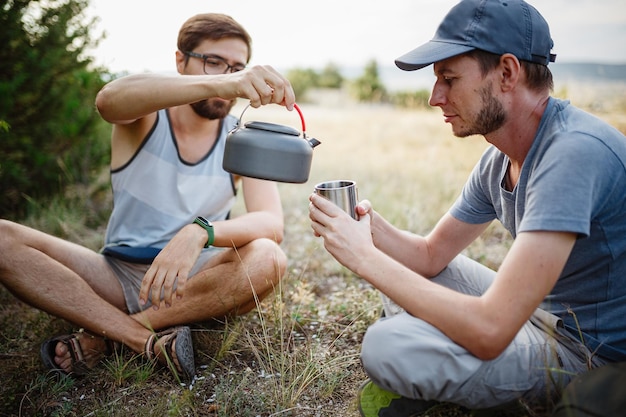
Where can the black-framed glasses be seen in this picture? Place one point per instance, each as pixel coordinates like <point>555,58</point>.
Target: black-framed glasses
<point>215,64</point>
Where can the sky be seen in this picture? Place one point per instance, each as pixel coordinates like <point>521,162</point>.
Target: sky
<point>141,34</point>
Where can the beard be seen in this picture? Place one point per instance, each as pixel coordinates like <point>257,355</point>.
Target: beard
<point>491,116</point>
<point>213,108</point>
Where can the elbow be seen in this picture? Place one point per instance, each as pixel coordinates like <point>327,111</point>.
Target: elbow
<point>105,104</point>
<point>276,229</point>
<point>488,345</point>
<point>102,103</point>
<point>487,353</point>
<point>279,233</point>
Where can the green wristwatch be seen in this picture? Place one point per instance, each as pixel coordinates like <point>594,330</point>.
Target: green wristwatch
<point>206,225</point>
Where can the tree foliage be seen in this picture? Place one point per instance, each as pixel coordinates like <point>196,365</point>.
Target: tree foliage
<point>304,79</point>
<point>330,77</point>
<point>369,87</point>
<point>411,99</point>
<point>47,118</point>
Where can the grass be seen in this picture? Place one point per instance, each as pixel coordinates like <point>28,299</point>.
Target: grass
<point>297,354</point>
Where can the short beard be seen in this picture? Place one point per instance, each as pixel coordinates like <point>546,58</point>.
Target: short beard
<point>212,109</point>
<point>490,118</point>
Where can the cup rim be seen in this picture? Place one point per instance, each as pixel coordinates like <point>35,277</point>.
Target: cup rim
<point>334,184</point>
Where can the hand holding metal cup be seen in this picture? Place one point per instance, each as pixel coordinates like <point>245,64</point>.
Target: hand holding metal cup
<point>343,193</point>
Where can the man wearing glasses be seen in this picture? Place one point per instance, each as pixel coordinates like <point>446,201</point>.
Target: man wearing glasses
<point>172,255</point>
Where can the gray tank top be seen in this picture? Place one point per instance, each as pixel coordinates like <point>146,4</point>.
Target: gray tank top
<point>156,193</point>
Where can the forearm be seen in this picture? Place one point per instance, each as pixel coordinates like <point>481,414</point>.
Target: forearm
<point>134,96</point>
<point>243,229</point>
<point>463,318</point>
<point>409,249</point>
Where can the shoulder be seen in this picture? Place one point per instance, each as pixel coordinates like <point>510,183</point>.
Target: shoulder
<point>572,134</point>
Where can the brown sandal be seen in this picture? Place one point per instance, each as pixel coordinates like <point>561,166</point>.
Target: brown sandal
<point>72,342</point>
<point>176,351</point>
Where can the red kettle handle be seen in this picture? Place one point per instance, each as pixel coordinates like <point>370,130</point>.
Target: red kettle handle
<point>295,106</point>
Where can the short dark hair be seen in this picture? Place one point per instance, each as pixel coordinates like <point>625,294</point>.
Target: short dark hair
<point>538,76</point>
<point>212,26</point>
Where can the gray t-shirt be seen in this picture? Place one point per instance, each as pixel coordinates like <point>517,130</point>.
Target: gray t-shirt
<point>573,180</point>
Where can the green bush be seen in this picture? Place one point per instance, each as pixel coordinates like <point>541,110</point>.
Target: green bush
<point>47,88</point>
<point>330,77</point>
<point>369,87</point>
<point>305,79</point>
<point>411,99</point>
<point>302,80</point>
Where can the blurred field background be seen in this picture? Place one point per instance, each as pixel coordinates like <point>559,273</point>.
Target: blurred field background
<point>298,354</point>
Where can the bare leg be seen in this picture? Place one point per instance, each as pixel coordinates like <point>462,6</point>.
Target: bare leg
<point>67,281</point>
<point>76,284</point>
<point>226,285</point>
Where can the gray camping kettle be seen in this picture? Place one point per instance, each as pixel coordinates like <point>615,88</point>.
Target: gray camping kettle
<point>269,151</point>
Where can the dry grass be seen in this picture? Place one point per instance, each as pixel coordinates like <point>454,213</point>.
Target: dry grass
<point>297,355</point>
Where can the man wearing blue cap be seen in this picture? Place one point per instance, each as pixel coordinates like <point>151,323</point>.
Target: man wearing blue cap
<point>554,177</point>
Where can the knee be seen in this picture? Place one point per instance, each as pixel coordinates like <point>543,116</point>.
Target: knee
<point>270,260</point>
<point>9,242</point>
<point>8,236</point>
<point>377,350</point>
<point>394,348</point>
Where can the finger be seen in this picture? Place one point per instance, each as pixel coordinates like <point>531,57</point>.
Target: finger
<point>262,92</point>
<point>317,229</point>
<point>168,286</point>
<point>254,97</point>
<point>289,97</point>
<point>157,286</point>
<point>363,207</point>
<point>325,206</point>
<point>146,283</point>
<point>312,211</point>
<point>183,276</point>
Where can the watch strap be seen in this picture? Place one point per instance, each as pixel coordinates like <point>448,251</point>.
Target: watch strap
<point>206,225</point>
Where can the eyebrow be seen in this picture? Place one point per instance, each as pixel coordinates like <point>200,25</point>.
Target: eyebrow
<point>442,70</point>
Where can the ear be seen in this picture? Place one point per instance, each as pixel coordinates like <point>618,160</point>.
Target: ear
<point>510,71</point>
<point>181,62</point>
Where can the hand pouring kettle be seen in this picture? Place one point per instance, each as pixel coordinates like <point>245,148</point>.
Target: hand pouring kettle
<point>269,151</point>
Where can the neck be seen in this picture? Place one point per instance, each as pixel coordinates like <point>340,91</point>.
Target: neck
<point>189,126</point>
<point>194,135</point>
<point>517,134</point>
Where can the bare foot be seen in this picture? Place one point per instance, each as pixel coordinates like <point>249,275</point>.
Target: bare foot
<point>93,350</point>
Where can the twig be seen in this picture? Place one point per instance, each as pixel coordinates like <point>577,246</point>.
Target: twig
<point>12,355</point>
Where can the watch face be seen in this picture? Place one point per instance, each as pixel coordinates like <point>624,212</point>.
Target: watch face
<point>204,221</point>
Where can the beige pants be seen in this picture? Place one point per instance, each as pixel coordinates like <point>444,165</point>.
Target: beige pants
<point>408,356</point>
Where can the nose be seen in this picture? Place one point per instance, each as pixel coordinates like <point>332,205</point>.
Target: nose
<point>437,95</point>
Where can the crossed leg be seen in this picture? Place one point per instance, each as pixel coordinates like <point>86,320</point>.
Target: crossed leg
<point>75,283</point>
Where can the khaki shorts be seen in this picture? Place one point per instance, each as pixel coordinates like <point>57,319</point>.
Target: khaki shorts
<point>131,274</point>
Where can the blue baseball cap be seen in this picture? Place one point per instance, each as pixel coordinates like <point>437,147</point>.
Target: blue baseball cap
<point>496,26</point>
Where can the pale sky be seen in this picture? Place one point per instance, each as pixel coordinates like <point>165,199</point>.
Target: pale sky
<point>141,34</point>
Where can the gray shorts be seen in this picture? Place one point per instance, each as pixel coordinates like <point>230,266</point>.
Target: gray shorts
<point>131,274</point>
<point>409,356</point>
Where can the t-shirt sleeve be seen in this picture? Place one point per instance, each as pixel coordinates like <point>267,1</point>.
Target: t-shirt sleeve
<point>564,190</point>
<point>475,203</point>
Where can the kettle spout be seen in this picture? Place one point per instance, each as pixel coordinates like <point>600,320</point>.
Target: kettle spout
<point>314,142</point>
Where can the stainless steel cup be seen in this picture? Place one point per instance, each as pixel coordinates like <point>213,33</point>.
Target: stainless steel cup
<point>343,193</point>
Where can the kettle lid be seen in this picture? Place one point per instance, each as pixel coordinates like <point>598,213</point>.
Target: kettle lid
<point>272,127</point>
